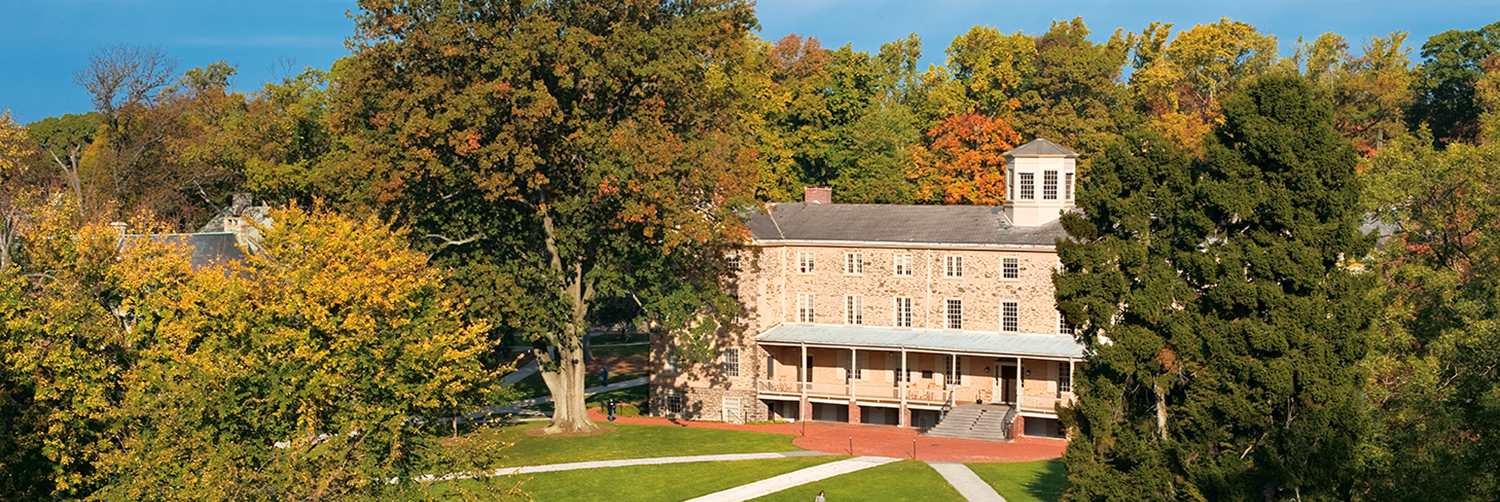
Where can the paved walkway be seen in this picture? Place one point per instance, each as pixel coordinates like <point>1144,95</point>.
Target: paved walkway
<point>599,464</point>
<point>966,482</point>
<point>795,478</point>
<point>881,440</point>
<point>519,407</point>
<point>519,374</point>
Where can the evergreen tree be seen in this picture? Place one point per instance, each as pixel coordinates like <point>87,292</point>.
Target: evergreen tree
<point>1223,325</point>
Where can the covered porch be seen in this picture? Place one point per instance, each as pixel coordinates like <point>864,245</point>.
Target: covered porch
<point>909,378</point>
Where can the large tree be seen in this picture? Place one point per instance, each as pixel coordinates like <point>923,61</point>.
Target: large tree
<point>1223,324</point>
<point>558,155</point>
<point>1453,62</point>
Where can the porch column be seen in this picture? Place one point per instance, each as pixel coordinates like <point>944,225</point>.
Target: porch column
<point>903,415</point>
<point>853,373</point>
<point>804,377</point>
<point>1020,384</point>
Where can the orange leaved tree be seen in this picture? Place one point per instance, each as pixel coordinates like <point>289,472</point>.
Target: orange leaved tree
<point>964,162</point>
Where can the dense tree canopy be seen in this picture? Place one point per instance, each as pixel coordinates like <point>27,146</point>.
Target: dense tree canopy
<point>1224,324</point>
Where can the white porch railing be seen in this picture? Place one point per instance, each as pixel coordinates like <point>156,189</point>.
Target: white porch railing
<point>1046,405</point>
<point>875,392</point>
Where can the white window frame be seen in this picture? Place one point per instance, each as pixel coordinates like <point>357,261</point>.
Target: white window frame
<point>854,309</point>
<point>1027,186</point>
<point>953,266</point>
<point>953,318</point>
<point>1063,326</point>
<point>676,402</point>
<point>1010,317</point>
<point>1067,186</point>
<point>902,265</point>
<point>674,365</point>
<point>1064,377</point>
<point>807,308</point>
<point>1049,185</point>
<point>904,311</point>
<point>1010,268</point>
<point>732,362</point>
<point>732,260</point>
<point>854,263</point>
<point>807,262</point>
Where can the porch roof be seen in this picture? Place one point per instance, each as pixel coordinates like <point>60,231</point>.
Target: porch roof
<point>974,342</point>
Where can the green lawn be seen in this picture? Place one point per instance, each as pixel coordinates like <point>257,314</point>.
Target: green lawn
<point>659,482</point>
<point>897,481</point>
<point>1041,481</point>
<point>610,338</point>
<point>633,441</point>
<point>533,386</point>
<point>629,350</point>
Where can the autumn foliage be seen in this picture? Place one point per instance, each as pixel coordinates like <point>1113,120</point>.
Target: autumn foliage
<point>965,164</point>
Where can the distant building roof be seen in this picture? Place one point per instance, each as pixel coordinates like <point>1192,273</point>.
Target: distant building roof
<point>1042,148</point>
<point>898,224</point>
<point>971,342</point>
<point>204,249</point>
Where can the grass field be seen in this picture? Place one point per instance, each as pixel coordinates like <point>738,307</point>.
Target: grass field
<point>659,482</point>
<point>632,441</point>
<point>1042,481</point>
<point>905,480</point>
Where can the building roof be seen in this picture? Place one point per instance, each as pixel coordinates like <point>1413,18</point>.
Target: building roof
<point>898,224</point>
<point>204,249</point>
<point>971,342</point>
<point>1042,148</point>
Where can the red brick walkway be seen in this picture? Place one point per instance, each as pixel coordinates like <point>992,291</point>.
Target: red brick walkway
<point>881,440</point>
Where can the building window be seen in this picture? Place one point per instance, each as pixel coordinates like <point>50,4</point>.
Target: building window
<point>674,366</point>
<point>674,403</point>
<point>1010,268</point>
<point>1049,185</point>
<point>903,265</point>
<point>1064,377</point>
<point>770,367</point>
<point>903,312</point>
<point>805,262</point>
<point>1028,191</point>
<point>1067,186</point>
<point>955,314</point>
<point>732,363</point>
<point>854,263</point>
<point>854,309</point>
<point>805,308</point>
<point>732,260</point>
<point>1010,317</point>
<point>1063,327</point>
<point>953,266</point>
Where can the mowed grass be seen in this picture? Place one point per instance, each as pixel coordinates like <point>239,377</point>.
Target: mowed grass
<point>632,441</point>
<point>670,482</point>
<point>905,480</point>
<point>1041,481</point>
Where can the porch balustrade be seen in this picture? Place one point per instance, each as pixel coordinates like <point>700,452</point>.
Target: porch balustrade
<point>1048,405</point>
<point>873,392</point>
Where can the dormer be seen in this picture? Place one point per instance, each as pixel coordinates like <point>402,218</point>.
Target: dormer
<point>1040,180</point>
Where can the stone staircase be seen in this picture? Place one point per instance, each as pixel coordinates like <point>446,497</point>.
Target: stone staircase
<point>985,422</point>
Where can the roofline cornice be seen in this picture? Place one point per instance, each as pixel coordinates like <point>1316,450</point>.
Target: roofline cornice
<point>905,245</point>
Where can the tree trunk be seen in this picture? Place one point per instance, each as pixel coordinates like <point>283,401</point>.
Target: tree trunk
<point>566,384</point>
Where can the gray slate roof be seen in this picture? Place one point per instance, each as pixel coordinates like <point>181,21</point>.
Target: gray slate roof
<point>953,225</point>
<point>1042,148</point>
<point>943,341</point>
<point>204,249</point>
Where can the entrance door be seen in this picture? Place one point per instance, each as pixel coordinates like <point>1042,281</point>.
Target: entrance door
<point>732,410</point>
<point>1007,383</point>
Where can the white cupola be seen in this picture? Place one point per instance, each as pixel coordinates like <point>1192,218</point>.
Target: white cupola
<point>1040,178</point>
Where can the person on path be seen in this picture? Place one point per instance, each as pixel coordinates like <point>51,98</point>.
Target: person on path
<point>820,497</point>
<point>604,376</point>
<point>611,410</point>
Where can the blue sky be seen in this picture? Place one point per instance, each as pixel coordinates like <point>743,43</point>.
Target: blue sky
<point>44,42</point>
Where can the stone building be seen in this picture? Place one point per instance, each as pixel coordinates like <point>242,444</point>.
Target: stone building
<point>908,316</point>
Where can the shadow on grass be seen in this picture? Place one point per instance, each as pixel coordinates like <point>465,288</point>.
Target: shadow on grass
<point>1050,482</point>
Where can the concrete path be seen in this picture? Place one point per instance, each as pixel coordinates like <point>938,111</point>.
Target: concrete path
<point>599,464</point>
<point>796,478</point>
<point>519,407</point>
<point>519,374</point>
<point>966,482</point>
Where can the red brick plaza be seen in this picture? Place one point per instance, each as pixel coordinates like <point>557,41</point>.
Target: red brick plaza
<point>880,441</point>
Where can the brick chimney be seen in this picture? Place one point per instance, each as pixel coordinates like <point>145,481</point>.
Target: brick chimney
<point>817,195</point>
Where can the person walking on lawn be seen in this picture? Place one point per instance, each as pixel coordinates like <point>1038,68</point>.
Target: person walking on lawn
<point>820,497</point>
<point>604,376</point>
<point>611,410</point>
